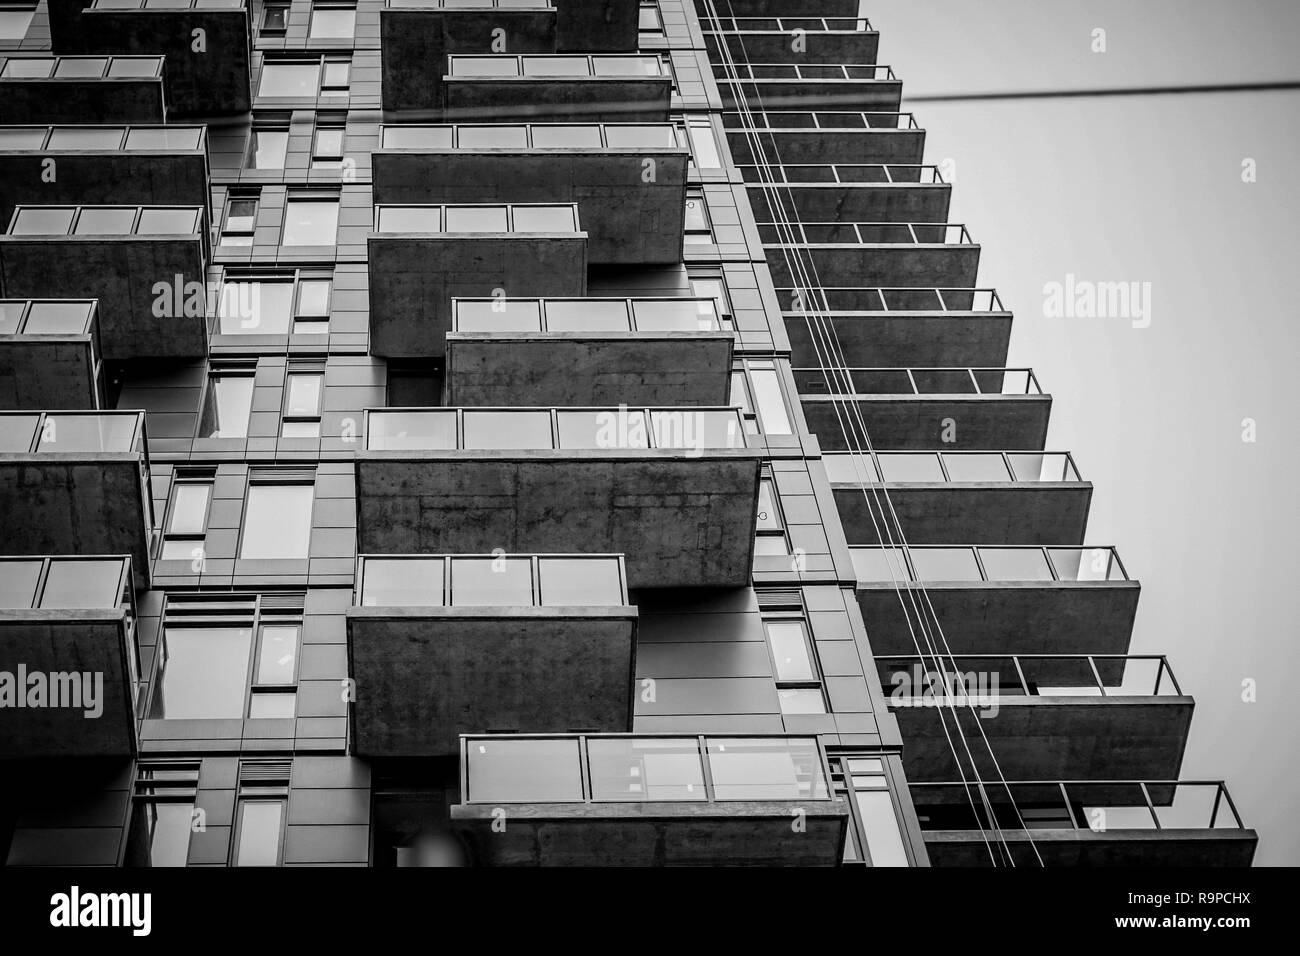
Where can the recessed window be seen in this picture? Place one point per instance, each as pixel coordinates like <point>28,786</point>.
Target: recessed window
<point>275,19</point>
<point>704,146</point>
<point>310,222</point>
<point>303,389</point>
<point>162,814</point>
<point>304,78</point>
<point>798,684</point>
<point>327,148</point>
<point>274,691</point>
<point>875,836</point>
<point>15,20</point>
<point>202,673</point>
<point>267,148</point>
<point>255,306</point>
<point>277,521</point>
<point>698,230</point>
<point>649,23</point>
<point>260,808</point>
<point>187,520</point>
<point>312,313</point>
<point>334,77</point>
<point>227,405</point>
<point>332,22</point>
<point>239,222</point>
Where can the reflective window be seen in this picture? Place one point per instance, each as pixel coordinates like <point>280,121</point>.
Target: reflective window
<point>976,467</point>
<point>580,582</point>
<point>275,19</point>
<point>704,147</point>
<point>537,770</point>
<point>789,645</point>
<point>769,516</point>
<point>57,318</point>
<point>258,842</point>
<point>500,137</point>
<point>1015,564</point>
<point>304,394</point>
<point>801,700</point>
<point>277,655</point>
<point>277,521</point>
<point>402,583</point>
<point>332,23</point>
<point>241,219</point>
<point>334,77</point>
<point>291,79</point>
<point>432,430</point>
<point>754,769</point>
<point>168,826</point>
<point>498,315</point>
<point>624,428</point>
<point>226,406</point>
<point>161,221</point>
<point>767,396</point>
<point>270,705</point>
<point>189,507</point>
<point>42,221</point>
<point>566,137</point>
<point>104,221</point>
<point>410,219</point>
<point>477,219</point>
<point>310,222</point>
<point>586,315</point>
<point>18,583</point>
<point>507,429</point>
<point>628,768</point>
<point>82,583</point>
<point>255,307</point>
<point>203,673</point>
<point>267,148</point>
<point>945,564</point>
<point>543,218</point>
<point>70,137</point>
<point>492,582</point>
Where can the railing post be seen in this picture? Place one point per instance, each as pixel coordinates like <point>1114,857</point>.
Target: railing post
<point>1096,675</point>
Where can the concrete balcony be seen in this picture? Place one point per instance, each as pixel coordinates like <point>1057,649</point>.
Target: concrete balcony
<point>67,640</point>
<point>628,180</point>
<point>648,801</point>
<point>611,88</point>
<point>1031,497</point>
<point>596,26</point>
<point>50,355</point>
<point>208,81</point>
<point>82,89</point>
<point>145,265</point>
<point>416,36</point>
<point>109,165</point>
<point>831,192</point>
<point>791,39</point>
<point>873,253</point>
<point>644,351</point>
<point>1169,823</point>
<point>559,630</point>
<point>940,328</point>
<point>673,489</point>
<point>76,483</point>
<point>824,136</point>
<point>1000,600</point>
<point>939,409</point>
<point>867,87</point>
<point>423,256</point>
<point>1043,717</point>
<point>787,8</point>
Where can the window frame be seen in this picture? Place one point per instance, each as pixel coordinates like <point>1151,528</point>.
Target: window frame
<point>268,478</point>
<point>206,479</point>
<point>840,782</point>
<point>232,197</point>
<point>264,29</point>
<point>215,372</point>
<point>817,681</point>
<point>314,369</point>
<point>266,125</point>
<point>696,194</point>
<point>307,196</point>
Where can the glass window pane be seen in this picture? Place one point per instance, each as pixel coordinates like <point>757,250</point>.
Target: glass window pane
<point>226,411</point>
<point>484,137</point>
<point>268,148</point>
<point>509,770</point>
<point>477,219</point>
<point>627,768</point>
<point>577,582</point>
<point>203,674</point>
<point>543,218</point>
<point>21,137</point>
<point>289,79</point>
<point>769,516</point>
<point>767,395</point>
<point>945,564</point>
<point>310,222</point>
<point>132,66</point>
<point>549,136</point>
<point>491,582</point>
<point>304,394</point>
<point>417,137</point>
<point>11,316</point>
<point>910,467</point>
<point>498,315</point>
<point>36,68</point>
<point>603,429</point>
<point>42,221</point>
<point>105,221</point>
<point>253,307</point>
<point>434,430</point>
<point>334,75</point>
<point>332,23</point>
<point>57,318</point>
<point>790,651</point>
<point>189,507</point>
<point>277,522</point>
<point>80,67</point>
<point>586,315</point>
<point>259,833</point>
<point>169,832</point>
<point>682,428</point>
<point>313,298</point>
<point>697,220</point>
<point>181,137</point>
<point>681,315</point>
<point>884,841</point>
<point>410,219</point>
<point>704,147</point>
<point>801,700</point>
<point>156,221</point>
<point>71,432</point>
<point>976,467</point>
<point>274,705</point>
<point>556,66</point>
<point>14,21</point>
<point>70,137</point>
<point>507,429</point>
<point>627,66</point>
<point>409,582</point>
<point>484,66</point>
<point>752,769</point>
<point>17,432</point>
<point>850,469</point>
<point>329,141</point>
<point>879,565</point>
<point>640,136</point>
<point>18,583</point>
<point>1015,564</point>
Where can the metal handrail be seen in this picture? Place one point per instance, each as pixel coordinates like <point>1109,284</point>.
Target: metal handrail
<point>763,121</point>
<point>105,73</point>
<point>927,175</point>
<point>944,298</point>
<point>46,423</point>
<point>25,315</point>
<point>1035,688</point>
<point>902,233</point>
<point>788,24</point>
<point>876,72</point>
<point>902,564</point>
<point>869,463</point>
<point>446,584</point>
<point>844,378</point>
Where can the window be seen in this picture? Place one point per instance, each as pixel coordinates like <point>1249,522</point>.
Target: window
<point>798,684</point>
<point>303,388</point>
<point>304,78</point>
<point>274,690</point>
<point>698,231</point>
<point>334,76</point>
<point>770,527</point>
<point>332,22</point>
<point>15,20</point>
<point>704,147</point>
<point>187,518</point>
<point>875,835</point>
<point>275,19</point>
<point>311,315</point>
<point>310,221</point>
<point>650,24</point>
<point>277,518</point>
<point>240,220</point>
<point>267,147</point>
<point>202,673</point>
<point>162,813</point>
<point>260,813</point>
<point>712,284</point>
<point>227,404</point>
<point>756,391</point>
<point>254,306</point>
<point>327,147</point>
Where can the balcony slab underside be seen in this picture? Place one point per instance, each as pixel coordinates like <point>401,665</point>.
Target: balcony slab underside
<point>608,99</point>
<point>1144,848</point>
<point>901,339</point>
<point>1049,738</point>
<point>848,202</point>
<point>725,833</point>
<point>107,178</point>
<point>922,422</point>
<point>413,279</point>
<point>79,101</point>
<point>570,368</point>
<point>48,373</point>
<point>628,221</point>
<point>1051,617</point>
<point>1042,513</point>
<point>778,46</point>
<point>207,82</point>
<point>121,272</point>
<point>85,645</point>
<point>877,264</point>
<point>75,504</point>
<point>421,677</point>
<point>875,145</point>
<point>872,96</point>
<point>414,43</point>
<point>682,519</point>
